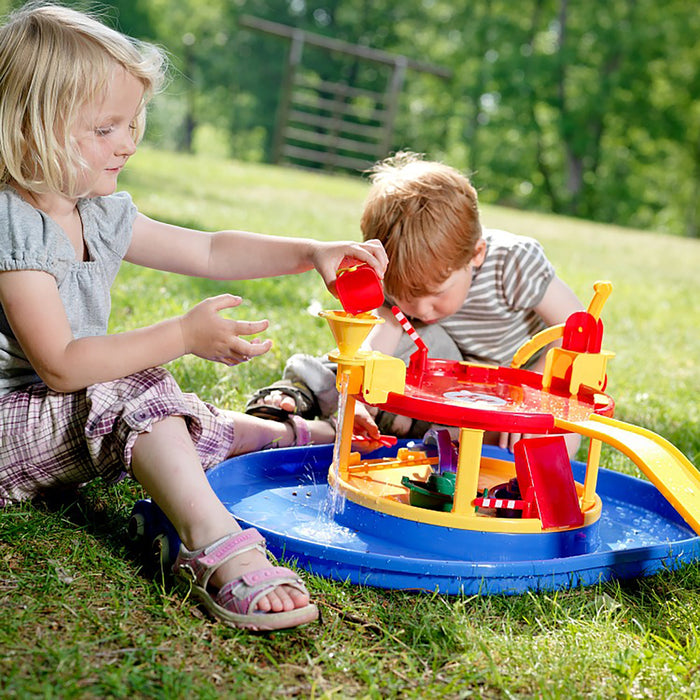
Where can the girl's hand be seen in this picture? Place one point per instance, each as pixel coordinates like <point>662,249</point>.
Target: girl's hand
<point>210,336</point>
<point>326,258</point>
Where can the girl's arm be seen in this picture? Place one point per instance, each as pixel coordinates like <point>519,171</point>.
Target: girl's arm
<point>231,255</point>
<point>38,319</point>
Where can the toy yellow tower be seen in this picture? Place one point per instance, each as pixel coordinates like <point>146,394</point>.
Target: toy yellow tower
<point>370,374</point>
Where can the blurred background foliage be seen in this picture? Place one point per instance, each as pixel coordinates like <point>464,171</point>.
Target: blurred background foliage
<point>577,107</point>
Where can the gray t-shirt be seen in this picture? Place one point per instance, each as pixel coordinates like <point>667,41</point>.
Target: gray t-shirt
<point>30,240</point>
<point>498,315</point>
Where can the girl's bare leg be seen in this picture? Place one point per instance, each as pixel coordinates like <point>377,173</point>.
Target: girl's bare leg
<point>253,434</point>
<point>166,464</point>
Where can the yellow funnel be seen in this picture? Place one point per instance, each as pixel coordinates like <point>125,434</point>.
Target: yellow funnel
<point>350,330</point>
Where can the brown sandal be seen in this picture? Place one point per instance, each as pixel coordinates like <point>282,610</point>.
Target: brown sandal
<point>305,402</point>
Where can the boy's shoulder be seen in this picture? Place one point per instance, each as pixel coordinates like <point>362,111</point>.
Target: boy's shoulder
<point>511,251</point>
<point>495,237</point>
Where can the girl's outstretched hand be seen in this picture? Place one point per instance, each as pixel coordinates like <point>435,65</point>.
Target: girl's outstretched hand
<point>210,336</point>
<point>327,257</point>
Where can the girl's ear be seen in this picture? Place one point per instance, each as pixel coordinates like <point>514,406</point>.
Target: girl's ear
<point>479,253</point>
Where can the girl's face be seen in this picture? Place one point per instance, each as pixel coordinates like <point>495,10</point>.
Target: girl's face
<point>104,134</point>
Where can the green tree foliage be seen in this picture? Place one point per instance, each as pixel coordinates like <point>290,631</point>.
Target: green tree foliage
<point>584,108</point>
<point>570,107</point>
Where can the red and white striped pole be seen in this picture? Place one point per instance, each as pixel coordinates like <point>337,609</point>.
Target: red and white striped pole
<point>408,327</point>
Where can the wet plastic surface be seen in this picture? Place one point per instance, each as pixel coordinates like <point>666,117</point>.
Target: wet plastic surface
<point>489,398</point>
<point>285,495</point>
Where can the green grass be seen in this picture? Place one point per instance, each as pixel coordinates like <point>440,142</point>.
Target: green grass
<point>80,618</point>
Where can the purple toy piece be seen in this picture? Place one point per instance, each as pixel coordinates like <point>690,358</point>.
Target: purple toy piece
<point>447,452</point>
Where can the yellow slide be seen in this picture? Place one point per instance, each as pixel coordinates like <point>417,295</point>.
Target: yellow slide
<point>665,465</point>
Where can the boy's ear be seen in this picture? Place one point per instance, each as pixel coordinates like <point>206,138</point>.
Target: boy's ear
<point>479,253</point>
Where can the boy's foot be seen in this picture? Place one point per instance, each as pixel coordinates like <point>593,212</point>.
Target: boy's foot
<point>281,398</point>
<point>401,426</point>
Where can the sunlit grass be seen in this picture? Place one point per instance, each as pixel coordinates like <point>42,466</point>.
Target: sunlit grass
<point>80,619</point>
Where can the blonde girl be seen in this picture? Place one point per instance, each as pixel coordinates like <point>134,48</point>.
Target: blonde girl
<point>76,402</point>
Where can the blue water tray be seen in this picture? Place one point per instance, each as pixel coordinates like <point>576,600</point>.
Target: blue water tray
<point>285,495</point>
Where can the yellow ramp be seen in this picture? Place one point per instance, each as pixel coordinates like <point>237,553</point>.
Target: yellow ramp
<point>665,465</point>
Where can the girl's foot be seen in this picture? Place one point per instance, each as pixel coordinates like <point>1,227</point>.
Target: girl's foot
<point>255,434</point>
<point>235,581</point>
<point>167,465</point>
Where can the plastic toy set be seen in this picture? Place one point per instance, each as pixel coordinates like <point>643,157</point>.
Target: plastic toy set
<point>451,513</point>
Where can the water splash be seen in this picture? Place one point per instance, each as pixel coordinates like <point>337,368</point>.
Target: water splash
<point>335,500</point>
<point>325,531</point>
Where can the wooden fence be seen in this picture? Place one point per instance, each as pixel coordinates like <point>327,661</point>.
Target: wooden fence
<point>336,124</point>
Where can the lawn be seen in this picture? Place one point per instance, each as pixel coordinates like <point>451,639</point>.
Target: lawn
<point>82,618</point>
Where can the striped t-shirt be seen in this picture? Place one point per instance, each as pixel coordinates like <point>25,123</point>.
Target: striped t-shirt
<point>498,314</point>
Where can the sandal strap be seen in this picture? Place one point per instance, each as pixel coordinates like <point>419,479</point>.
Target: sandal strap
<point>200,564</point>
<point>302,435</point>
<point>242,594</point>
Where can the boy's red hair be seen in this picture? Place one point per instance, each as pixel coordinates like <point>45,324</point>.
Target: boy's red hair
<point>426,215</point>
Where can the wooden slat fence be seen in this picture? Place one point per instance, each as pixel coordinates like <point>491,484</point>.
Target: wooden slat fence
<point>323,122</point>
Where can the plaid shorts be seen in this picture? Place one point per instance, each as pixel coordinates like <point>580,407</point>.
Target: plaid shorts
<point>50,440</point>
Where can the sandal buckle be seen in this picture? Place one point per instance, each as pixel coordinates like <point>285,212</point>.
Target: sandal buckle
<point>187,569</point>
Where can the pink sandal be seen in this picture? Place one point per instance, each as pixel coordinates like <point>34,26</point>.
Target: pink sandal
<point>300,430</point>
<point>235,602</point>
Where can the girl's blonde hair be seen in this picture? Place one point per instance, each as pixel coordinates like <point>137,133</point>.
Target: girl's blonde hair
<point>54,61</point>
<point>426,215</point>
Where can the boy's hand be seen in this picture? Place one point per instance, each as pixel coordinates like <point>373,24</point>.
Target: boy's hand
<point>507,441</point>
<point>210,336</point>
<point>366,429</point>
<point>364,423</point>
<point>326,258</point>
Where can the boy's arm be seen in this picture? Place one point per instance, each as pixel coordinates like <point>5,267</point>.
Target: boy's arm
<point>557,304</point>
<point>384,337</point>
